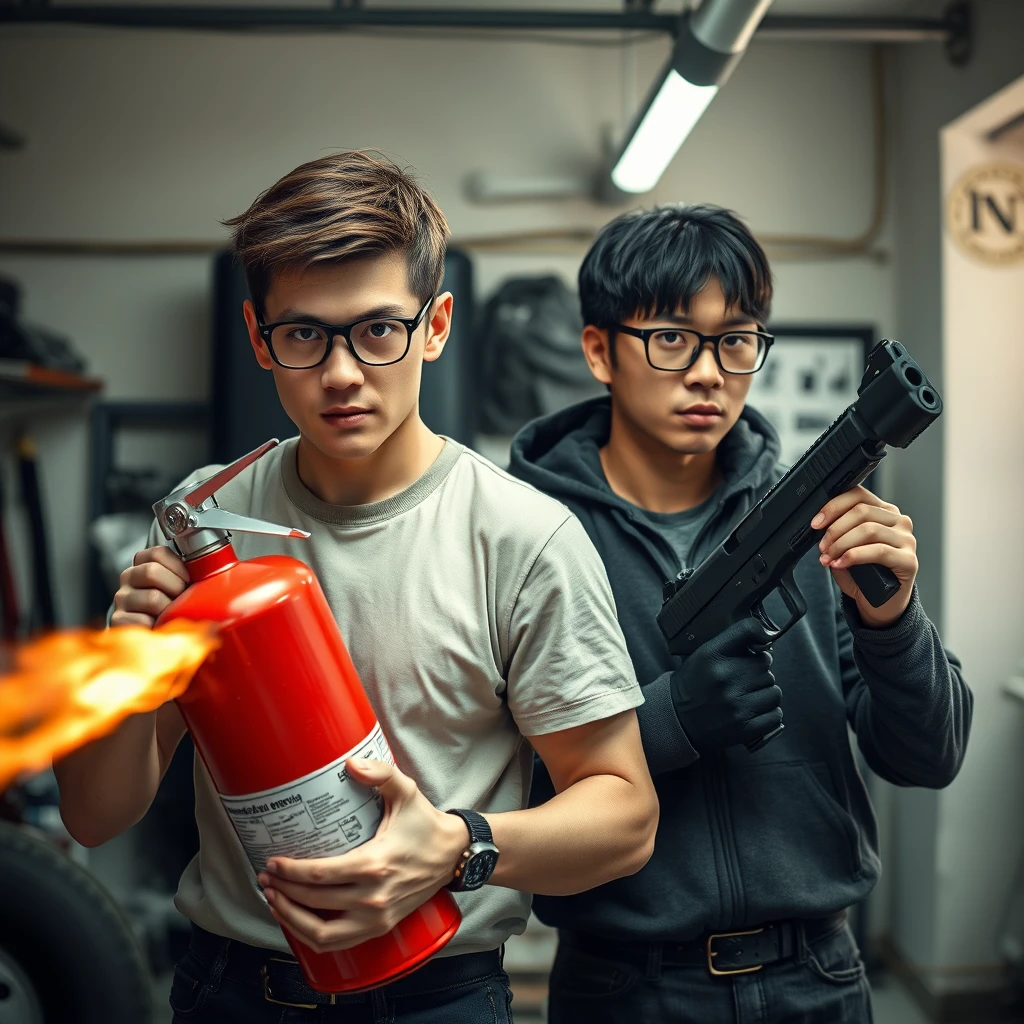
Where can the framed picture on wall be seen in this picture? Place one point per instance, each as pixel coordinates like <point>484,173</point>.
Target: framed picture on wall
<point>811,376</point>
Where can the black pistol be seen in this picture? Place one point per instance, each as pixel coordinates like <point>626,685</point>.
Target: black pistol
<point>895,402</point>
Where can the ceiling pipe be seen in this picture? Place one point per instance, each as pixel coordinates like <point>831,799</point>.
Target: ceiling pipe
<point>212,18</point>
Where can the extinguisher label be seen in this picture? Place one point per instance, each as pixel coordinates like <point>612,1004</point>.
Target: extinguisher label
<point>323,814</point>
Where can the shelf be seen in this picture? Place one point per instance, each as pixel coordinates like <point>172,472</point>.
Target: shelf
<point>27,389</point>
<point>24,378</point>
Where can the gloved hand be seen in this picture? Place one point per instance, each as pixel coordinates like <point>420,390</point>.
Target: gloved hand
<point>724,694</point>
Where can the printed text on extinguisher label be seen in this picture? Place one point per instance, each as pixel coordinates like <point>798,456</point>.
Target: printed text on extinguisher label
<point>322,815</point>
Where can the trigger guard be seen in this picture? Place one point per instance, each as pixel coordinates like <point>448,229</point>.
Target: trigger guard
<point>764,620</point>
<point>795,604</point>
<point>792,597</point>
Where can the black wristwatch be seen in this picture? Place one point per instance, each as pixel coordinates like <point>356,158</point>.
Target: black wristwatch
<point>477,861</point>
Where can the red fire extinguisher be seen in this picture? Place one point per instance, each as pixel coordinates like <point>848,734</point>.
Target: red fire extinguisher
<point>276,711</point>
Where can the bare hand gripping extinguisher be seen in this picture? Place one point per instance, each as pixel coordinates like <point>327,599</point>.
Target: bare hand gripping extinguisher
<point>276,711</point>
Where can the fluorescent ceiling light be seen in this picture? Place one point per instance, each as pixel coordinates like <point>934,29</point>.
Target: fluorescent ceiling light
<point>710,43</point>
<point>669,120</point>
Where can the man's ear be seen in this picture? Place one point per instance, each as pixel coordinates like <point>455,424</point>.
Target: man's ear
<point>597,352</point>
<point>259,346</point>
<point>439,325</point>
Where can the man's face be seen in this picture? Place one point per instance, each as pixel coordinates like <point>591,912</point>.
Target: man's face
<point>689,411</point>
<point>345,408</point>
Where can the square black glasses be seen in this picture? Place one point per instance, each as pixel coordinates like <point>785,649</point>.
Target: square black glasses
<point>303,344</point>
<point>676,348</point>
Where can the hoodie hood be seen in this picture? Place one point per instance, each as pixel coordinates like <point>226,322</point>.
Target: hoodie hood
<point>559,454</point>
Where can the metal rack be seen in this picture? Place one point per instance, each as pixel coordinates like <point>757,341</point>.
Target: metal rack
<point>107,419</point>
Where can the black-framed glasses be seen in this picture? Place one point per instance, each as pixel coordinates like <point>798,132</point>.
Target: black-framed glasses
<point>303,344</point>
<point>676,349</point>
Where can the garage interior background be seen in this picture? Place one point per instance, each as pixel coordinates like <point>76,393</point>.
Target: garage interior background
<point>139,142</point>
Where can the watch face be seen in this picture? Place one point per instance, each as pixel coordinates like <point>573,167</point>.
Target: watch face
<point>479,867</point>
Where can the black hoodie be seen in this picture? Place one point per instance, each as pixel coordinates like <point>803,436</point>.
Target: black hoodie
<point>787,832</point>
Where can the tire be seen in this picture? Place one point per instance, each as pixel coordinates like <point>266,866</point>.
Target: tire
<point>68,937</point>
<point>19,1000</point>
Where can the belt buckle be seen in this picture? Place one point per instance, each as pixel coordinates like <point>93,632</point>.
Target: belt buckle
<point>712,954</point>
<point>269,996</point>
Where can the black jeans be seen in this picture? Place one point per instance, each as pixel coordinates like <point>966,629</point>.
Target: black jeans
<point>219,981</point>
<point>823,983</point>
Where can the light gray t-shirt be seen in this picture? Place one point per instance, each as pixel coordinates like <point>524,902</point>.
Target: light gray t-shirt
<point>476,611</point>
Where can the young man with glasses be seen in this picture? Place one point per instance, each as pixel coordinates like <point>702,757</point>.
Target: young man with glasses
<point>476,610</point>
<point>740,914</point>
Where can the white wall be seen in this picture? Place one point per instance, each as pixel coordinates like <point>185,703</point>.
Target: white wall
<point>983,597</point>
<point>159,135</point>
<point>929,93</point>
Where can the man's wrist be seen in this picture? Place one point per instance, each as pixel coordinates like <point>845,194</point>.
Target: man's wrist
<point>479,857</point>
<point>454,839</point>
<point>876,620</point>
<point>896,634</point>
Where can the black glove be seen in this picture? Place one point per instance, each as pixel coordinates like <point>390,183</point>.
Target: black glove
<point>724,694</point>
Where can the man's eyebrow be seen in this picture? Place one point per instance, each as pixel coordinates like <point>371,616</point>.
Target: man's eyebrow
<point>734,321</point>
<point>387,311</point>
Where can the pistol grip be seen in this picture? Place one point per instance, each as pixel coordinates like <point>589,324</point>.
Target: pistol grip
<point>878,583</point>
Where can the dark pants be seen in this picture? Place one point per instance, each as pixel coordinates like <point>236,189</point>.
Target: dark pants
<point>221,982</point>
<point>822,983</point>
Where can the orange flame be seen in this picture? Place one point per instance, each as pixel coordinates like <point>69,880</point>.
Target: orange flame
<point>70,687</point>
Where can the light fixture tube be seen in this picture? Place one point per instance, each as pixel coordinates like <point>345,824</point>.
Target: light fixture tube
<point>709,45</point>
<point>669,119</point>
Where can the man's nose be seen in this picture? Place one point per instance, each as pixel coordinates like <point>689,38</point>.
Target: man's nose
<point>706,371</point>
<point>341,369</point>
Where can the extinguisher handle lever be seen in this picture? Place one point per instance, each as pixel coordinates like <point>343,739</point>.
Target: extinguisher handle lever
<point>192,519</point>
<point>196,493</point>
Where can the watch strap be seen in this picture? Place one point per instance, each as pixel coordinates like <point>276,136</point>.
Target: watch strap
<point>479,830</point>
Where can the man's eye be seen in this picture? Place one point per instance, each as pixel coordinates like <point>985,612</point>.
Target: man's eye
<point>379,330</point>
<point>305,334</point>
<point>669,337</point>
<point>739,340</point>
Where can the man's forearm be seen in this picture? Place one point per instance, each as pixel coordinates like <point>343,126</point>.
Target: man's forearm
<point>598,829</point>
<point>109,784</point>
<point>912,716</point>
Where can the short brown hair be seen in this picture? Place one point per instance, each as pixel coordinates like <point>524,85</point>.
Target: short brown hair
<point>347,206</point>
